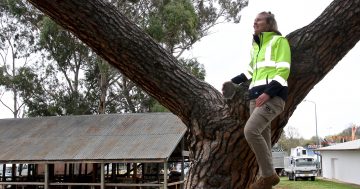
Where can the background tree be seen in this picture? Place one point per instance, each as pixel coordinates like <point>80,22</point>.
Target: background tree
<point>343,136</point>
<point>290,138</point>
<point>221,157</point>
<point>178,24</point>
<point>65,77</point>
<point>17,76</point>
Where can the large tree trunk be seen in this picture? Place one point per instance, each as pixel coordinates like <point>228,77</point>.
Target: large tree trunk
<point>221,156</point>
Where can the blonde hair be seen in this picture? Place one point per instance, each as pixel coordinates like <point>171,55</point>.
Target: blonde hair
<point>270,20</point>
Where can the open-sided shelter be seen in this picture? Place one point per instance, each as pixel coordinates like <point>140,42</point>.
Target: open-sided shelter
<point>81,144</point>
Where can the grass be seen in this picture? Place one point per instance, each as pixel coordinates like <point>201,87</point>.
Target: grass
<point>319,183</point>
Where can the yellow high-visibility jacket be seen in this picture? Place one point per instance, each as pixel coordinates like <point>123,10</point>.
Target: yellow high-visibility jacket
<point>269,67</point>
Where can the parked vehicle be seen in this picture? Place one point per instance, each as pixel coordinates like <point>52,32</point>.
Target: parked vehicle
<point>300,165</point>
<point>278,156</point>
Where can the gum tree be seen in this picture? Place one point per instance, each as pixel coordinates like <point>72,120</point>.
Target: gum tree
<point>18,79</point>
<point>220,154</point>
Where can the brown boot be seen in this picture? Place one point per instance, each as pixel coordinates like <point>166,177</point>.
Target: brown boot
<point>266,182</point>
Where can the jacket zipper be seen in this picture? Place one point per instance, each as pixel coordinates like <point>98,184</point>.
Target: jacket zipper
<point>257,55</point>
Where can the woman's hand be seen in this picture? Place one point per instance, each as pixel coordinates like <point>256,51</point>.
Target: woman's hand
<point>228,90</point>
<point>262,99</point>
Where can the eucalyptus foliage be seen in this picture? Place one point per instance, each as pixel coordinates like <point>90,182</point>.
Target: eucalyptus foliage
<point>18,79</point>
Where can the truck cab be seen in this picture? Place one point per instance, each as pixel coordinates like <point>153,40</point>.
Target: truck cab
<point>300,165</point>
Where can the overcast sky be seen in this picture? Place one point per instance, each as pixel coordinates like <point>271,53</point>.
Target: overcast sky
<point>225,54</point>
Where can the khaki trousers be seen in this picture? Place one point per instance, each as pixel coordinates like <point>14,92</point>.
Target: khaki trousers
<point>258,132</point>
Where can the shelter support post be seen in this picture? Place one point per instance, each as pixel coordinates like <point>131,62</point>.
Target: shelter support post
<point>165,175</point>
<point>102,176</point>
<point>46,180</point>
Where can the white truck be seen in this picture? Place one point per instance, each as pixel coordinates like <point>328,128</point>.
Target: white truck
<point>300,165</point>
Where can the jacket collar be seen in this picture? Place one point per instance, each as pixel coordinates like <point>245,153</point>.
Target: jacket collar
<point>263,37</point>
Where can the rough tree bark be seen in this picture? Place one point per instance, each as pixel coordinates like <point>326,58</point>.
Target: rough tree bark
<point>221,156</point>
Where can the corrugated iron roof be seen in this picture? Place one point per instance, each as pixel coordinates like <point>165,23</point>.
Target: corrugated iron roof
<point>95,138</point>
<point>351,145</point>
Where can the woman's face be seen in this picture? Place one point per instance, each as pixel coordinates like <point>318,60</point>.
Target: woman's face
<point>260,24</point>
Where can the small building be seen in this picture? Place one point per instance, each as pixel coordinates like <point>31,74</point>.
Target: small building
<point>342,162</point>
<point>93,151</point>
